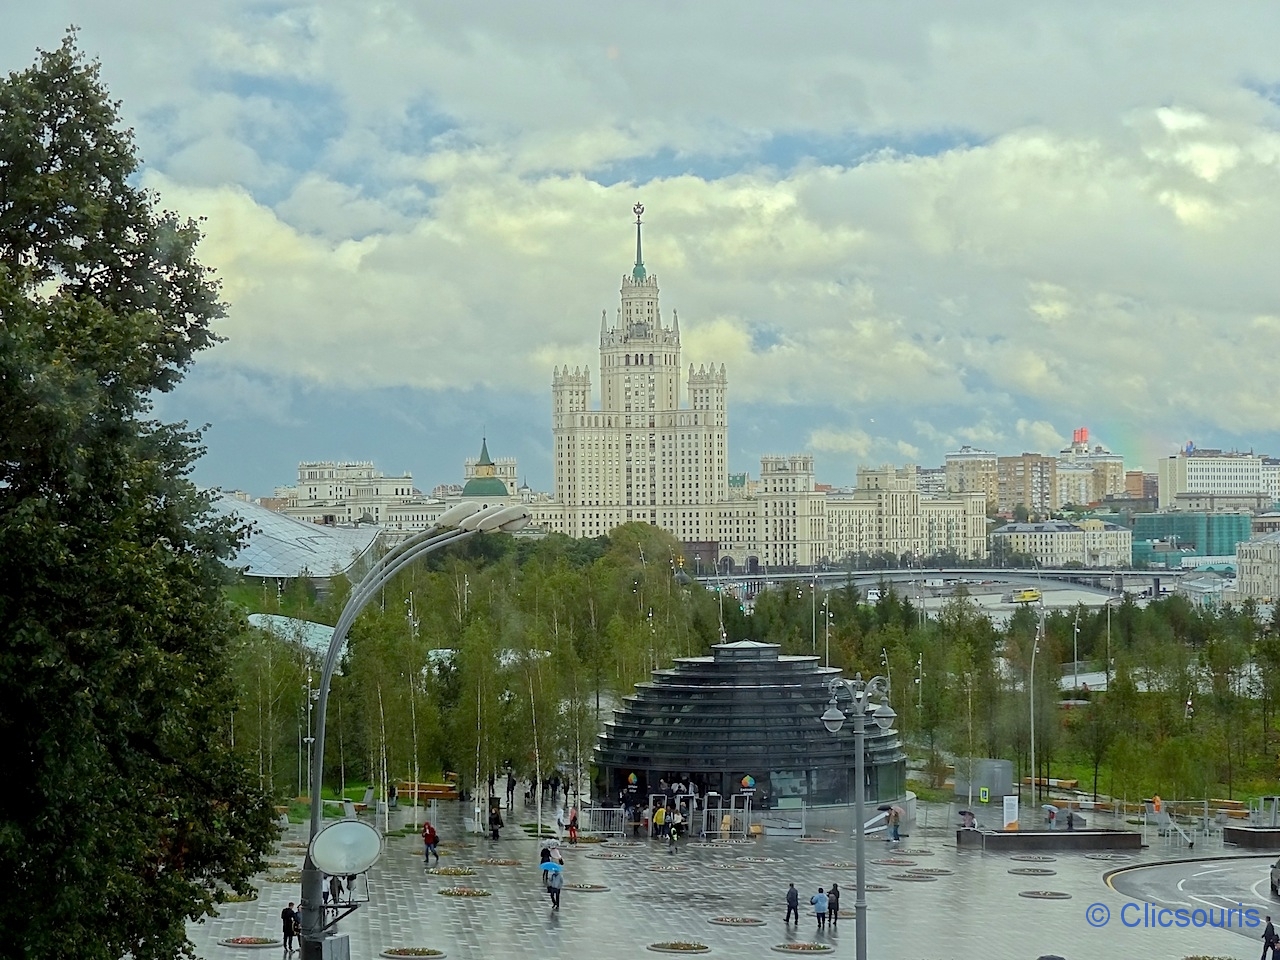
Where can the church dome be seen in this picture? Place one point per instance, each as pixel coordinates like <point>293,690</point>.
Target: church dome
<point>485,483</point>
<point>485,487</point>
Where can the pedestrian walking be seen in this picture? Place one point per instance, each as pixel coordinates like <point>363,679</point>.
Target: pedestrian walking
<point>555,886</point>
<point>511,789</point>
<point>573,825</point>
<point>335,892</point>
<point>793,904</point>
<point>290,921</point>
<point>819,901</point>
<point>1269,940</point>
<point>833,904</point>
<point>495,823</point>
<point>1071,820</point>
<point>430,839</point>
<point>551,878</point>
<point>895,821</point>
<point>673,832</point>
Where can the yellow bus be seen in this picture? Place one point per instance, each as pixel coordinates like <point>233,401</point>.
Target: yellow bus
<point>1026,596</point>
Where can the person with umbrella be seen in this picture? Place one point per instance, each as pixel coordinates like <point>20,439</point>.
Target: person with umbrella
<point>967,820</point>
<point>1052,813</point>
<point>553,878</point>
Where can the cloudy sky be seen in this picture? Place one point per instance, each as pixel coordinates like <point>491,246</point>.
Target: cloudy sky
<point>903,227</point>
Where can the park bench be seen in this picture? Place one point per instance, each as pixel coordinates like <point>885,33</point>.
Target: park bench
<point>426,791</point>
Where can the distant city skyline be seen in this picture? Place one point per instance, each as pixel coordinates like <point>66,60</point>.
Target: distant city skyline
<point>901,229</point>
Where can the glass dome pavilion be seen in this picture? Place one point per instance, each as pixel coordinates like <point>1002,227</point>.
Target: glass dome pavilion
<point>745,711</point>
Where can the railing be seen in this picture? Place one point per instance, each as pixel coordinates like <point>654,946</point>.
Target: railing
<point>604,821</point>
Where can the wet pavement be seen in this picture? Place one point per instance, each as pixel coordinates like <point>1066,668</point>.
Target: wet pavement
<point>960,904</point>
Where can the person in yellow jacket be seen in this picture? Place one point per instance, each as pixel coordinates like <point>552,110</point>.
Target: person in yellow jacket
<point>660,822</point>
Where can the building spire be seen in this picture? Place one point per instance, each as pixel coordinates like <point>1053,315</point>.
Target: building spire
<point>638,272</point>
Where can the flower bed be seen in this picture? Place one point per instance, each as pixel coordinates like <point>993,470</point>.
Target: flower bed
<point>590,839</point>
<point>729,866</point>
<point>814,840</point>
<point>737,921</point>
<point>679,946</point>
<point>412,952</point>
<point>838,865</point>
<point>586,887</point>
<point>250,943</point>
<point>759,860</point>
<point>609,856</point>
<point>895,862</point>
<point>668,868</point>
<point>451,871</point>
<point>281,865</point>
<point>802,947</point>
<point>463,892</point>
<point>498,862</point>
<point>290,876</point>
<point>230,897</point>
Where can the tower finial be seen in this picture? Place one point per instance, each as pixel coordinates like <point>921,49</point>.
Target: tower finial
<point>638,272</point>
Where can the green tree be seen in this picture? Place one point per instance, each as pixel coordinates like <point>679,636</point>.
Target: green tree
<point>115,674</point>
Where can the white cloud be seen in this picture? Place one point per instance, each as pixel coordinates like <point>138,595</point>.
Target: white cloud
<point>971,223</point>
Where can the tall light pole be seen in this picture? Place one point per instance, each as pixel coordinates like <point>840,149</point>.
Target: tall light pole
<point>826,619</point>
<point>1031,686</point>
<point>813,599</point>
<point>1075,648</point>
<point>862,692</point>
<point>460,522</point>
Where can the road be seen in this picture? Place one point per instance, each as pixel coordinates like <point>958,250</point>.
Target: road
<point>1217,884</point>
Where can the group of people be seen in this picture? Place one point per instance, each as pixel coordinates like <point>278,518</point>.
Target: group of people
<point>826,905</point>
<point>333,889</point>
<point>552,787</point>
<point>668,823</point>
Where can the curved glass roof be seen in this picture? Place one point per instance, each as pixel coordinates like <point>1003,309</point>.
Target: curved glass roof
<point>281,546</point>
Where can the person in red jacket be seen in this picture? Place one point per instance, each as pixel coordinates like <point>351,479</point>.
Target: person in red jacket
<point>429,841</point>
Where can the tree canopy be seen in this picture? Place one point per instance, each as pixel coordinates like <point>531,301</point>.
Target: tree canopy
<point>129,805</point>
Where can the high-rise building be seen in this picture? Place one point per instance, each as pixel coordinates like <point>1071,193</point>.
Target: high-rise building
<point>1030,481</point>
<point>1196,471</point>
<point>639,455</point>
<point>969,470</point>
<point>1106,468</point>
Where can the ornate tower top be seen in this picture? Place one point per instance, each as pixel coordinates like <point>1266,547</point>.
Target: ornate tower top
<point>638,272</point>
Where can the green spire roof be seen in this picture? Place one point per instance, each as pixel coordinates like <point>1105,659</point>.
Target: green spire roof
<point>484,453</point>
<point>638,272</point>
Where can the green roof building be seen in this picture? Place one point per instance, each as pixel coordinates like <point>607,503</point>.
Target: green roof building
<point>485,485</point>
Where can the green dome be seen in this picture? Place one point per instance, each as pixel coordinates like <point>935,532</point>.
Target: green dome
<point>485,487</point>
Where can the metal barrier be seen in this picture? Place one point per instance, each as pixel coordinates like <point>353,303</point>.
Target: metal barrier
<point>605,821</point>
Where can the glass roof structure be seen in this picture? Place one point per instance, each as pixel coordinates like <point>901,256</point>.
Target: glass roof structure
<point>281,546</point>
<point>744,718</point>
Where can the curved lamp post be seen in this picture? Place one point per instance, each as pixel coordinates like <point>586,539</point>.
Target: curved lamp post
<point>459,522</point>
<point>862,692</point>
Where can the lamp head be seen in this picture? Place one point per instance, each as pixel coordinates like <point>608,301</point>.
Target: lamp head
<point>459,511</point>
<point>833,718</point>
<point>884,716</point>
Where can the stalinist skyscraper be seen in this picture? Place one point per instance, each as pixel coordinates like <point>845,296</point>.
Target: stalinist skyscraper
<point>640,455</point>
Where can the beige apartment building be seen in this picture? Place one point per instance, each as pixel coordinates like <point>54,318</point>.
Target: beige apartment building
<point>343,492</point>
<point>1258,568</point>
<point>969,470</point>
<point>886,513</point>
<point>1029,480</point>
<point>1057,543</point>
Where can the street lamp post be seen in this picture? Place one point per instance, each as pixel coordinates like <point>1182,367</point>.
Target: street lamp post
<point>861,691</point>
<point>460,522</point>
<point>1031,686</point>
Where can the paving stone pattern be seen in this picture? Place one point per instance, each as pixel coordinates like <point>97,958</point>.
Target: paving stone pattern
<point>974,913</point>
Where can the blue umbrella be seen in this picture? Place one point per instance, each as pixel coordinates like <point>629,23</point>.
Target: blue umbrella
<point>551,867</point>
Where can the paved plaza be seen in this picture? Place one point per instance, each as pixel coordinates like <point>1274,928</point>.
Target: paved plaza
<point>968,904</point>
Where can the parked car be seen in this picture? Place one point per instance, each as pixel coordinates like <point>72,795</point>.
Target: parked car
<point>1275,879</point>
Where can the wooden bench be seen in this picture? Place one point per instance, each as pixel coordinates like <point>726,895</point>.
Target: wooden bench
<point>426,791</point>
